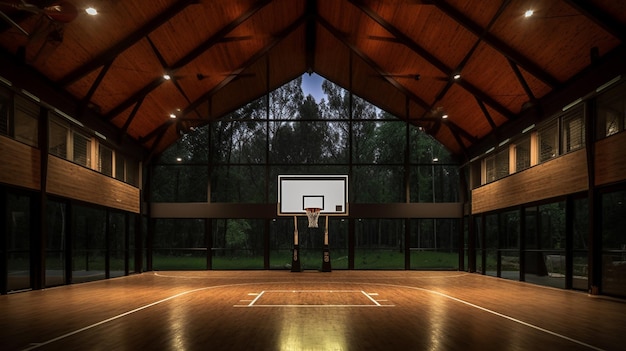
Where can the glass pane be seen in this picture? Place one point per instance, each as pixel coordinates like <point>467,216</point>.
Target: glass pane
<point>491,244</point>
<point>57,142</point>
<point>308,142</point>
<point>611,111</point>
<point>238,141</point>
<point>105,160</point>
<point>132,172</point>
<point>522,154</point>
<point>56,238</point>
<point>379,142</point>
<point>132,246</point>
<point>379,244</point>
<point>183,183</point>
<point>81,148</point>
<point>18,242</point>
<point>310,243</point>
<point>434,244</point>
<point>574,130</point>
<point>614,243</point>
<point>179,244</point>
<point>89,254</point>
<point>117,244</point>
<point>377,184</point>
<point>5,103</point>
<point>120,167</point>
<point>244,184</point>
<point>26,121</point>
<point>479,244</point>
<point>580,228</point>
<point>237,244</point>
<point>502,163</point>
<point>362,109</point>
<point>548,140</point>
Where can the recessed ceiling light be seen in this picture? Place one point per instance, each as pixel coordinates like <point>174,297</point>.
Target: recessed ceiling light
<point>435,159</point>
<point>528,13</point>
<point>167,77</point>
<point>179,159</point>
<point>172,115</point>
<point>91,11</point>
<point>456,76</point>
<point>444,116</point>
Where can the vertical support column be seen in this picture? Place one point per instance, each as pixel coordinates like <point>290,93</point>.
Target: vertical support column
<point>326,255</point>
<point>594,228</point>
<point>295,257</point>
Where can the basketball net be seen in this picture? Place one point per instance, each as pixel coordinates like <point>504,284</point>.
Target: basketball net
<point>313,214</point>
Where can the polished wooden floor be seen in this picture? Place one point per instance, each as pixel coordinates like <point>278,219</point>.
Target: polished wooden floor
<point>279,310</point>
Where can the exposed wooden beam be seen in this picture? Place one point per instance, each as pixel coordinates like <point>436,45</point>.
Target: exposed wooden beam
<point>408,42</point>
<point>522,81</point>
<point>496,43</point>
<point>486,114</point>
<point>131,117</point>
<point>275,40</point>
<point>193,54</point>
<point>337,34</point>
<point>601,18</point>
<point>94,86</point>
<point>311,35</point>
<point>110,54</point>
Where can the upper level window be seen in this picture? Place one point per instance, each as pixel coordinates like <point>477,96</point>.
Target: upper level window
<point>548,141</point>
<point>82,149</point>
<point>611,111</point>
<point>26,117</point>
<point>58,138</point>
<point>105,160</point>
<point>522,154</point>
<point>573,125</point>
<point>5,102</point>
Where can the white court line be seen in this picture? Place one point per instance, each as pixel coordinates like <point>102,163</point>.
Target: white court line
<point>318,306</point>
<point>37,345</point>
<point>256,298</point>
<point>497,314</point>
<point>369,297</point>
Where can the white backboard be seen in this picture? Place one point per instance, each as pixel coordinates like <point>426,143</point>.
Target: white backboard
<point>328,192</point>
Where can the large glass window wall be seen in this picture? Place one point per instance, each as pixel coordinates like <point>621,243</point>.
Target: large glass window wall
<point>237,159</point>
<point>614,243</point>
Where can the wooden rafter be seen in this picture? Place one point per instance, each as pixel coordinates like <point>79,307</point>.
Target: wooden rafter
<point>213,40</point>
<point>496,43</point>
<point>110,54</point>
<point>409,43</point>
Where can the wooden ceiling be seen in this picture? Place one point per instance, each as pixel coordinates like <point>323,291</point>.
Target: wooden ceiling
<point>222,54</point>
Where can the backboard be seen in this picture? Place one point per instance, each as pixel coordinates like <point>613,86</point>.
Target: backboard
<point>327,192</point>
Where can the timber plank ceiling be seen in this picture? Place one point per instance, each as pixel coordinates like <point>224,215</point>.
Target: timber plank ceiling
<point>400,55</point>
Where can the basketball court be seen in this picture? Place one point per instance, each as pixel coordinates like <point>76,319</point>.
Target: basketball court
<point>311,310</point>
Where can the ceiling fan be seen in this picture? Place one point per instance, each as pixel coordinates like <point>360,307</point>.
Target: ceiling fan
<point>59,12</point>
<point>413,76</point>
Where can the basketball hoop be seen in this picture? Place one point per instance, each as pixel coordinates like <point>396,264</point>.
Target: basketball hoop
<point>313,214</point>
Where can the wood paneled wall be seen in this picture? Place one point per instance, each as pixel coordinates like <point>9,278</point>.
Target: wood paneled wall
<point>611,159</point>
<point>73,181</point>
<point>19,164</point>
<point>564,175</point>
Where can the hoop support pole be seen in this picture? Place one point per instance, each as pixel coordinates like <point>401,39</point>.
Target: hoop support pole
<point>295,257</point>
<point>326,256</point>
